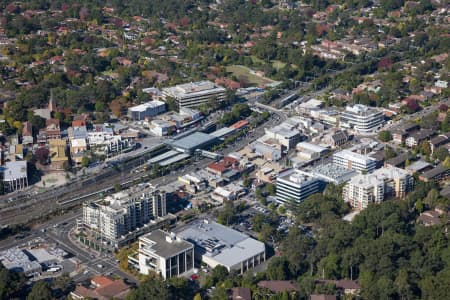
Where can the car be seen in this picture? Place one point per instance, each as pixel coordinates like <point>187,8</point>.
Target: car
<point>100,266</point>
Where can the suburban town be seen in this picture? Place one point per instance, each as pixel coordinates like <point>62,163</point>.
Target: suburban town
<point>232,149</point>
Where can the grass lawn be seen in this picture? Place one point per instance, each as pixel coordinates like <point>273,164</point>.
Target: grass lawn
<point>276,64</point>
<point>239,71</point>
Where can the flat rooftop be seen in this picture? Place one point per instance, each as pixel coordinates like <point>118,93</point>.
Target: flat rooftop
<point>164,244</point>
<point>226,245</point>
<point>14,170</point>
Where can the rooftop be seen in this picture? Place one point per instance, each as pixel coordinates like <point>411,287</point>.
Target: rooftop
<point>188,89</point>
<point>361,110</point>
<point>143,107</point>
<point>193,141</point>
<point>164,244</point>
<point>228,246</point>
<point>296,176</point>
<point>331,172</point>
<point>14,169</point>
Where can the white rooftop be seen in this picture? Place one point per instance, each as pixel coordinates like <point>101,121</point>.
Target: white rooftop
<point>143,107</point>
<point>227,246</point>
<point>14,170</point>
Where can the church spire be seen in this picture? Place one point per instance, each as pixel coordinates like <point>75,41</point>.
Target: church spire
<point>51,102</point>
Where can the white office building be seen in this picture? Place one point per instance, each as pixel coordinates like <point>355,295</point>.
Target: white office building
<point>146,110</point>
<point>121,213</point>
<point>165,254</point>
<point>361,118</point>
<point>216,244</point>
<point>354,161</point>
<point>295,185</point>
<point>362,190</point>
<point>195,94</point>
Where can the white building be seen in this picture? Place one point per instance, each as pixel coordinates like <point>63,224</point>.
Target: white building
<point>146,110</point>
<point>354,161</point>
<point>216,244</point>
<point>362,190</point>
<point>194,94</point>
<point>15,175</point>
<point>362,118</point>
<point>286,135</point>
<point>161,127</point>
<point>121,213</point>
<point>165,254</point>
<point>295,185</point>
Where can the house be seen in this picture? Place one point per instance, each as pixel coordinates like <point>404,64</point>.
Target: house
<point>345,286</point>
<point>322,297</point>
<point>241,293</point>
<point>432,217</point>
<point>52,129</point>
<point>278,286</point>
<point>27,134</point>
<point>102,288</point>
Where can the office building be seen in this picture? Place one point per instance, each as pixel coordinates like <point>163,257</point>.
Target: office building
<point>194,94</point>
<point>362,118</point>
<point>117,215</point>
<point>286,135</point>
<point>146,110</point>
<point>165,254</point>
<point>354,161</point>
<point>295,185</point>
<point>362,190</point>
<point>216,244</point>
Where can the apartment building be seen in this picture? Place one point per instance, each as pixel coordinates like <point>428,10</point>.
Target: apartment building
<point>122,213</point>
<point>165,254</point>
<point>194,94</point>
<point>362,118</point>
<point>362,190</point>
<point>354,161</point>
<point>295,185</point>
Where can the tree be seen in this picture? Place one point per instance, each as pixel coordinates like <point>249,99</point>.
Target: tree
<point>152,288</point>
<point>385,136</point>
<point>425,148</point>
<point>278,269</point>
<point>84,161</point>
<point>42,155</point>
<point>271,189</point>
<point>40,291</point>
<point>440,153</point>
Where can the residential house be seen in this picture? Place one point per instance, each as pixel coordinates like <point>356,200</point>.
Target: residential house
<point>101,288</point>
<point>433,217</point>
<point>278,286</point>
<point>27,134</point>
<point>52,129</point>
<point>241,293</point>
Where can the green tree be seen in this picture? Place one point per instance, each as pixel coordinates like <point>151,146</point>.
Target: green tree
<point>385,136</point>
<point>85,161</point>
<point>152,288</point>
<point>278,269</point>
<point>40,291</point>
